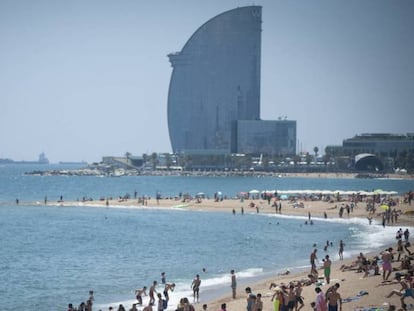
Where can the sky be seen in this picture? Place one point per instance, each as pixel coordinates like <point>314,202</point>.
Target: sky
<point>80,80</point>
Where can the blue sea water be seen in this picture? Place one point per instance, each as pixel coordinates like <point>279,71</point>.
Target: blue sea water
<point>51,255</point>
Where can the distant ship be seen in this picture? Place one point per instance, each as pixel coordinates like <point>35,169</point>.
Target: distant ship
<point>42,160</point>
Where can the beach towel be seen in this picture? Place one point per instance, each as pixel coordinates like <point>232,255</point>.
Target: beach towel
<point>356,297</point>
<point>380,308</point>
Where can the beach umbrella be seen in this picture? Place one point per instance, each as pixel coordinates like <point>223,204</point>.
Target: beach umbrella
<point>281,192</point>
<point>254,191</point>
<point>200,195</point>
<point>307,191</point>
<point>366,193</point>
<point>350,192</point>
<point>327,192</point>
<point>390,192</point>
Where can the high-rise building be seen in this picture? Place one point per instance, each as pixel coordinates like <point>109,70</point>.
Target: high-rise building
<point>216,81</point>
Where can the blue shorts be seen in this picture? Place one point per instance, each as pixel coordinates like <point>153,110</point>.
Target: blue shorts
<point>409,293</point>
<point>332,308</point>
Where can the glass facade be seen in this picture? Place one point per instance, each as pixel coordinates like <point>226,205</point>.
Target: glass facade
<point>267,137</point>
<point>215,81</point>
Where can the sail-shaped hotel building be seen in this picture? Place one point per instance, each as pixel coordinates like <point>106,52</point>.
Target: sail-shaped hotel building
<point>214,92</point>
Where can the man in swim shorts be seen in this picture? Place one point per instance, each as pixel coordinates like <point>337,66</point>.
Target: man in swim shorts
<point>195,285</point>
<point>333,298</point>
<point>327,268</point>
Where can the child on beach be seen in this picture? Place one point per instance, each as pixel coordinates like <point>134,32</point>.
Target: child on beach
<point>258,305</point>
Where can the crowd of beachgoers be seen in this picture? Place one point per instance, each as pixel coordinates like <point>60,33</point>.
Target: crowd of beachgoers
<point>375,281</point>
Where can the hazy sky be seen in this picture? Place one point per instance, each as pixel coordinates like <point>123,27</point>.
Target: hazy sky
<point>83,79</point>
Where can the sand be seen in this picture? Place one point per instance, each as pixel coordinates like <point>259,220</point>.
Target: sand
<point>351,282</point>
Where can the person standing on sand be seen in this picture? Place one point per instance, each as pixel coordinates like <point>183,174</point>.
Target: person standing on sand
<point>284,306</point>
<point>313,259</point>
<point>406,235</point>
<point>152,290</point>
<point>250,299</point>
<point>327,268</point>
<point>233,284</point>
<point>258,305</point>
<point>160,305</point>
<point>386,264</point>
<point>400,249</point>
<point>333,298</point>
<point>291,297</point>
<point>320,300</point>
<point>298,294</point>
<point>277,299</point>
<point>195,285</point>
<point>341,250</point>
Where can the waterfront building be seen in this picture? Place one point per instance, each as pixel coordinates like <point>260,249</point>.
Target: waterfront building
<point>376,150</point>
<point>384,144</point>
<point>215,82</point>
<point>264,137</point>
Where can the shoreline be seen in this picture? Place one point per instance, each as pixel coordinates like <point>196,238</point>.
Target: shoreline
<point>351,283</point>
<point>297,207</point>
<point>116,172</point>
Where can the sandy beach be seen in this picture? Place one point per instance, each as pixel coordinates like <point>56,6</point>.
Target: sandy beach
<point>352,283</point>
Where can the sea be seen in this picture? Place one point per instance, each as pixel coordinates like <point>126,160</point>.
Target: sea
<point>52,255</point>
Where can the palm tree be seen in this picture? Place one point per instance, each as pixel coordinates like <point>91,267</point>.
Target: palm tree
<point>154,160</point>
<point>315,150</point>
<point>127,156</point>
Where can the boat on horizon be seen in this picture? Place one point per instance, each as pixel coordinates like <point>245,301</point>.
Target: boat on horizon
<point>42,160</point>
